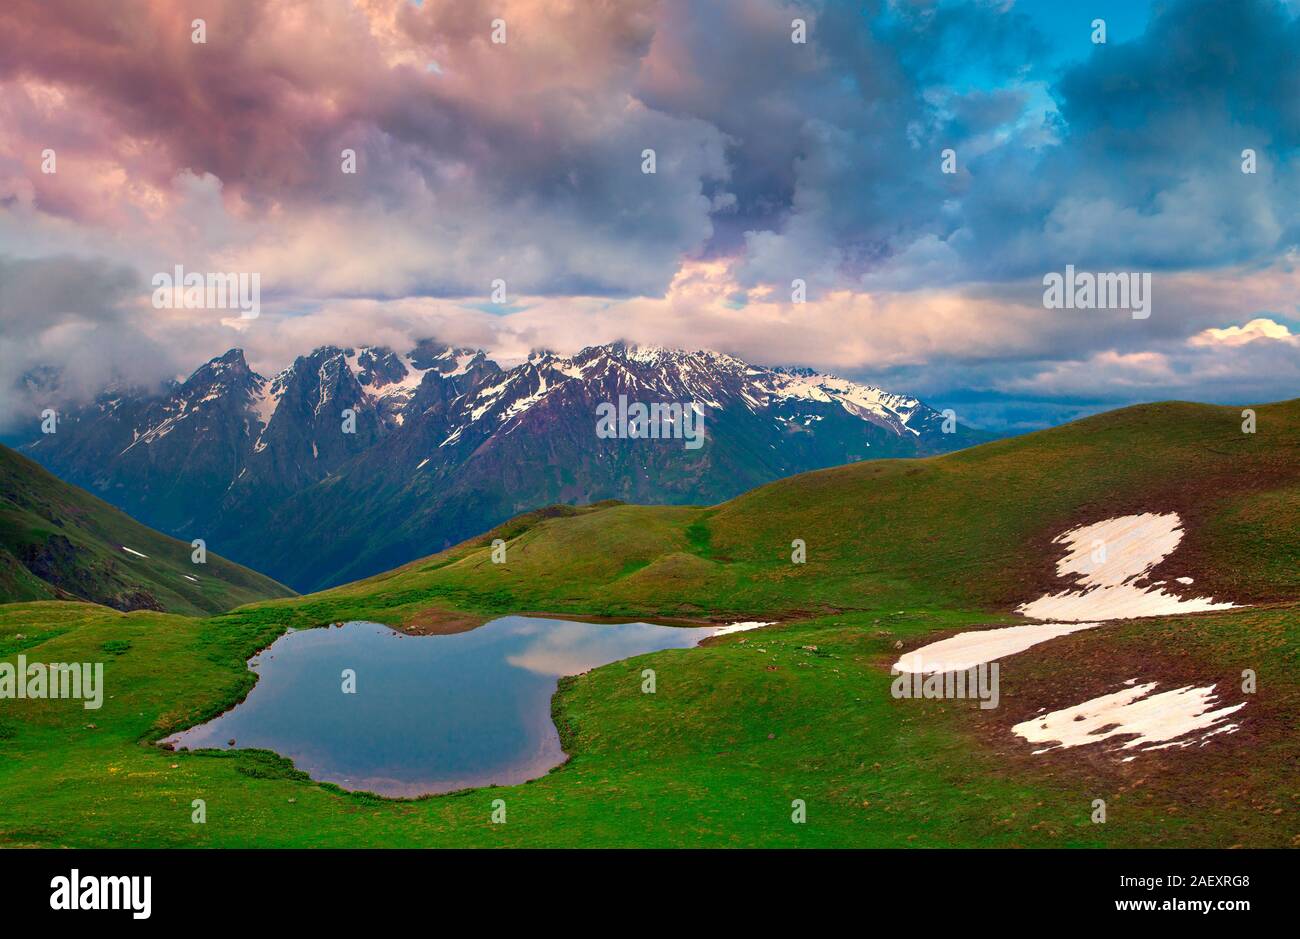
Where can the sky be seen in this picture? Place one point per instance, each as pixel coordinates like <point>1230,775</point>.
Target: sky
<point>521,162</point>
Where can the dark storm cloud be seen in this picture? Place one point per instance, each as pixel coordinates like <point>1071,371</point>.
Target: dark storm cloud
<point>522,159</point>
<point>818,160</point>
<point>834,145</point>
<point>1147,172</point>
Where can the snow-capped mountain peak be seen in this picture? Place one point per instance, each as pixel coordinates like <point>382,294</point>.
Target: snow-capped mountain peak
<point>440,442</point>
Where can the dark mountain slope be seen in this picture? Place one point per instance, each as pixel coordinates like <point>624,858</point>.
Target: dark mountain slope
<point>58,542</point>
<point>350,461</point>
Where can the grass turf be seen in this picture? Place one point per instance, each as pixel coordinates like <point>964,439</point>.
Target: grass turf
<point>897,552</point>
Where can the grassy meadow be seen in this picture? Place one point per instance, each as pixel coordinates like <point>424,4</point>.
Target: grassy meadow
<point>899,552</point>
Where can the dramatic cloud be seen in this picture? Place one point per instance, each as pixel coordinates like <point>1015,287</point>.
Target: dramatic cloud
<point>775,162</point>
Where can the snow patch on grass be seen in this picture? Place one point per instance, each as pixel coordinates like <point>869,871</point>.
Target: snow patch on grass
<point>739,628</point>
<point>1109,558</point>
<point>1180,718</point>
<point>977,647</point>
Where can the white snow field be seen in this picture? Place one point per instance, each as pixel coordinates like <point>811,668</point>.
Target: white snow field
<point>968,649</point>
<point>738,627</point>
<point>1150,721</point>
<point>1107,559</point>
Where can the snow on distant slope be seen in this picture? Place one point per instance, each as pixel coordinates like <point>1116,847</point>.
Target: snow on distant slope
<point>477,399</point>
<point>415,430</point>
<point>487,400</point>
<point>474,399</point>
<point>865,401</point>
<point>708,378</point>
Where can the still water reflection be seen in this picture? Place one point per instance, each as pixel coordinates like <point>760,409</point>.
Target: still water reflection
<point>430,713</point>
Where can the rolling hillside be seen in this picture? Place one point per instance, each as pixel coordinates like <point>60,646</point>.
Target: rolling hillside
<point>968,530</point>
<point>60,543</point>
<point>899,554</point>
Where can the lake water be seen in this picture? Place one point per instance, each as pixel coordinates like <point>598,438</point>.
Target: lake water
<point>430,713</point>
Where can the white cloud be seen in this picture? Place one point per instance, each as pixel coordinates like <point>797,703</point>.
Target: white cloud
<point>1260,328</point>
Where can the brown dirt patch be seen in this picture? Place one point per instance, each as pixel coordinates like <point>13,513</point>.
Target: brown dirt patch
<point>436,621</point>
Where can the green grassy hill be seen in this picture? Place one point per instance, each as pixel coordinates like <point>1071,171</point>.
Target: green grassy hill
<point>58,542</point>
<point>899,553</point>
<point>969,530</point>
